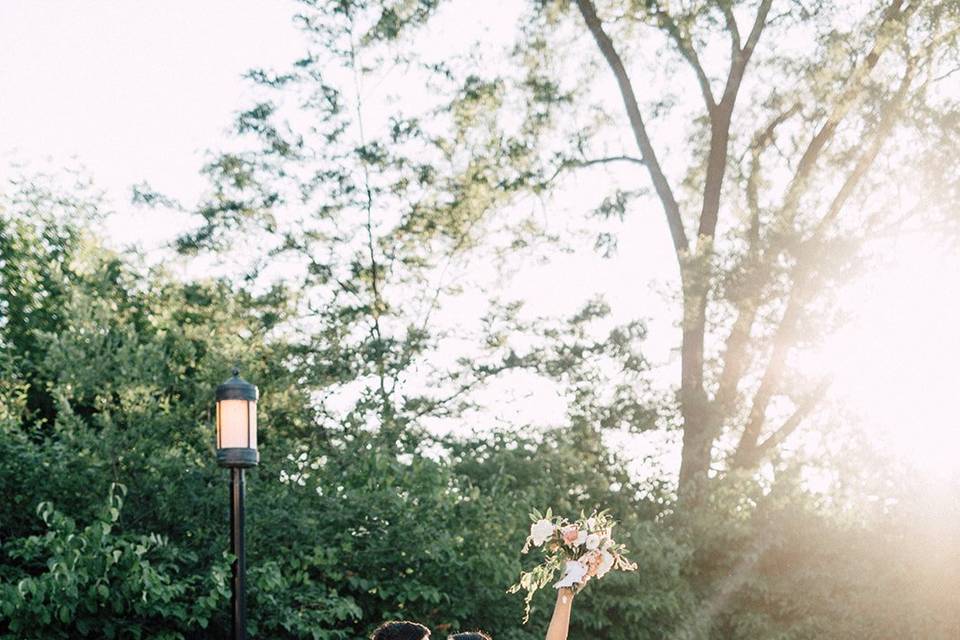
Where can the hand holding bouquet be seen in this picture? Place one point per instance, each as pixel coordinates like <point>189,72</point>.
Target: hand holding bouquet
<point>582,549</point>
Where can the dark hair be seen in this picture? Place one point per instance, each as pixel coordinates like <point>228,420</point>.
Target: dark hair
<point>471,635</point>
<point>400,630</point>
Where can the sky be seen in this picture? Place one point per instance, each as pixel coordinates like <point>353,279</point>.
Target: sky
<point>137,90</point>
<point>131,90</point>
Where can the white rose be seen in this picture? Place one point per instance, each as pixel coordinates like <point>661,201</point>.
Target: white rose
<point>606,563</point>
<point>573,574</point>
<point>540,531</point>
<point>581,538</point>
<point>592,542</point>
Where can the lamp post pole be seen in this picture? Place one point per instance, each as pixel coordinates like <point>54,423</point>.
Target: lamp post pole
<point>237,450</point>
<point>238,598</point>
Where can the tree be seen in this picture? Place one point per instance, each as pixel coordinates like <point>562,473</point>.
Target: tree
<point>795,160</point>
<point>116,514</point>
<point>835,120</point>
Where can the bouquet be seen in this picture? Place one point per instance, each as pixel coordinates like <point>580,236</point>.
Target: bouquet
<point>582,549</point>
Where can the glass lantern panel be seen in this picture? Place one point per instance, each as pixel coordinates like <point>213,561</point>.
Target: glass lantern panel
<point>232,416</point>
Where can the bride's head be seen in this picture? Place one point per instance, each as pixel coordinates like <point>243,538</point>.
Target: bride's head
<point>401,630</point>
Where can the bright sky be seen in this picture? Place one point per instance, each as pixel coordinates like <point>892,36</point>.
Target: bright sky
<point>139,91</point>
<point>135,91</point>
<point>131,90</point>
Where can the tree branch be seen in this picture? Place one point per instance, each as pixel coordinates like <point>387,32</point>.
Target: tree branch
<point>758,145</point>
<point>732,27</point>
<point>771,375</point>
<point>848,98</point>
<point>690,54</point>
<point>661,185</point>
<point>889,117</point>
<point>720,126</point>
<point>782,338</point>
<point>738,63</point>
<point>749,454</point>
<point>790,425</point>
<point>579,164</point>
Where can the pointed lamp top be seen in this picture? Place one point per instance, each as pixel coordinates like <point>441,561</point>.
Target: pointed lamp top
<point>236,388</point>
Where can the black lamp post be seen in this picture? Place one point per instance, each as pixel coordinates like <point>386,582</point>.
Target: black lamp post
<point>237,449</point>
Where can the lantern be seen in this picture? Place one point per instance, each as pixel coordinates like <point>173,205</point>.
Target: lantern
<point>237,423</point>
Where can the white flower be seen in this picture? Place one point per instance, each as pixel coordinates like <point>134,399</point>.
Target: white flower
<point>540,531</point>
<point>581,538</point>
<point>606,563</point>
<point>573,573</point>
<point>592,542</point>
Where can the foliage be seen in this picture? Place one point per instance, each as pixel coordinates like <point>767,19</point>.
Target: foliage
<point>345,529</point>
<point>92,582</point>
<point>363,223</point>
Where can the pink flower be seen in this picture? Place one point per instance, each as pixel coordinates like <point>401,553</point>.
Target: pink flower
<point>570,534</point>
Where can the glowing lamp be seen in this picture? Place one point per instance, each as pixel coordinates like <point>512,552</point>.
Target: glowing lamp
<point>237,423</point>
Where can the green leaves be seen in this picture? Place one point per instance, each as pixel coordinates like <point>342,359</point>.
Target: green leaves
<point>95,582</point>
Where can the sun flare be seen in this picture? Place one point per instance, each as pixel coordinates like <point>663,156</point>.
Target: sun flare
<point>895,364</point>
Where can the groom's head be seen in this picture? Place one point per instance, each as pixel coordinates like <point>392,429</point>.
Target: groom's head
<point>401,630</point>
<point>471,635</point>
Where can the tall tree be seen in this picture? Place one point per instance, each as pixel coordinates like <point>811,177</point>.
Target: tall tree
<point>793,166</point>
<point>777,138</point>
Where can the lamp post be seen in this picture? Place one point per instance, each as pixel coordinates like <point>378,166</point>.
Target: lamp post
<point>237,450</point>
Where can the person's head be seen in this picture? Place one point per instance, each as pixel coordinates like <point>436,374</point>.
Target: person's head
<point>401,630</point>
<point>470,635</point>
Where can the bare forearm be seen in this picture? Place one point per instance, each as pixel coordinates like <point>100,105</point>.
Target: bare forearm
<point>560,622</point>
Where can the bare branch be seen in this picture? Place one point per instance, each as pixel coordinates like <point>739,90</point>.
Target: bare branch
<point>770,380</point>
<point>945,75</point>
<point>579,164</point>
<point>732,27</point>
<point>660,183</point>
<point>734,356</point>
<point>720,126</point>
<point>687,50</point>
<point>734,361</point>
<point>791,424</point>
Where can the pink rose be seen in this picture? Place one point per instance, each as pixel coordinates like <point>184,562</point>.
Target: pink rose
<point>570,534</point>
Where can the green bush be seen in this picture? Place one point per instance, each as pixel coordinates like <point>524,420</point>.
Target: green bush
<point>93,582</point>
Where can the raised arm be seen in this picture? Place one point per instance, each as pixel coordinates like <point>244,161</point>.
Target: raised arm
<point>560,622</point>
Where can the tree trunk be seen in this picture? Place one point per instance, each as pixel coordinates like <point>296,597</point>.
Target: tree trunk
<point>698,435</point>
